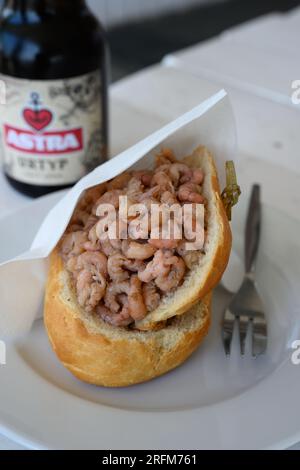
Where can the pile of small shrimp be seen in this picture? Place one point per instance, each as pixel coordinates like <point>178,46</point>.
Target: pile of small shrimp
<point>123,279</point>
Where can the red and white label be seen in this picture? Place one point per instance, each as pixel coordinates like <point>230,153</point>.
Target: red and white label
<point>51,130</point>
<point>48,143</point>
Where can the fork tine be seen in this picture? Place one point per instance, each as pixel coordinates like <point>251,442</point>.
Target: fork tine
<point>259,336</point>
<point>243,328</point>
<point>227,330</point>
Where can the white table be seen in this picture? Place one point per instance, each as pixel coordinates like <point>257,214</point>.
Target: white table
<point>267,122</point>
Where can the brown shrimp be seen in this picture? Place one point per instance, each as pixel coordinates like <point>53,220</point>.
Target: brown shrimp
<point>136,250</point>
<point>151,295</point>
<point>139,228</point>
<point>89,270</point>
<point>134,189</point>
<point>91,196</point>
<point>137,307</point>
<point>107,247</point>
<point>103,225</point>
<point>151,194</point>
<point>110,197</point>
<point>190,192</point>
<point>178,171</point>
<point>93,243</point>
<point>90,289</point>
<point>79,218</point>
<point>169,198</point>
<point>162,179</point>
<point>122,318</point>
<point>73,243</point>
<point>166,227</point>
<point>95,262</point>
<point>134,265</point>
<point>115,267</point>
<point>149,202</point>
<point>156,266</point>
<point>167,282</point>
<point>165,156</point>
<point>182,173</point>
<point>71,264</point>
<point>190,257</point>
<point>120,181</point>
<point>116,243</point>
<point>90,222</point>
<point>90,246</point>
<point>166,243</point>
<point>197,176</point>
<point>112,292</point>
<point>145,176</point>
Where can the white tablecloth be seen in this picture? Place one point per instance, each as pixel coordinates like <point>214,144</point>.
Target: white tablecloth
<point>268,124</point>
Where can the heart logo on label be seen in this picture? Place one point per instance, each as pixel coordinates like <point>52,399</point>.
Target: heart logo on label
<point>39,119</point>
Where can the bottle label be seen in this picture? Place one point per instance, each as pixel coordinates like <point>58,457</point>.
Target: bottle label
<point>51,130</point>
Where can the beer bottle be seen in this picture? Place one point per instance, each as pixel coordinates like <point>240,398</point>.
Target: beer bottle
<point>53,68</point>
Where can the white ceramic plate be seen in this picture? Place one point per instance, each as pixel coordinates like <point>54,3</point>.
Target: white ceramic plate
<point>210,402</point>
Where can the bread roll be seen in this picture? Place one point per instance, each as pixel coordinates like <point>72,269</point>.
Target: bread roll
<point>101,354</point>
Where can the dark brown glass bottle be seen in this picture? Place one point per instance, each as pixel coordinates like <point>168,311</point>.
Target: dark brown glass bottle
<point>53,67</point>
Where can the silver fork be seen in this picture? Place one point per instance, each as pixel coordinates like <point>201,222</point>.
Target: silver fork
<point>246,305</point>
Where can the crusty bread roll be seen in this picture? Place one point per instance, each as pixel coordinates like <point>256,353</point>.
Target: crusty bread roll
<point>101,354</point>
<point>207,273</point>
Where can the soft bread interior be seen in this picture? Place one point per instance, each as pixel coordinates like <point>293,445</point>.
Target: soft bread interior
<point>207,273</point>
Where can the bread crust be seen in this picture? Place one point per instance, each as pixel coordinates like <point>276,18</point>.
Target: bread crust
<point>113,357</point>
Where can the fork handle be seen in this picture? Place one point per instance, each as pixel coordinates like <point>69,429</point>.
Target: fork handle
<point>252,232</point>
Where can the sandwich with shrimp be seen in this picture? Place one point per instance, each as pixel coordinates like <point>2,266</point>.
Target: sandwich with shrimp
<point>128,295</point>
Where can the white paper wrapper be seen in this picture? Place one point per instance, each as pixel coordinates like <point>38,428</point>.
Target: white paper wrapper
<point>22,280</point>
